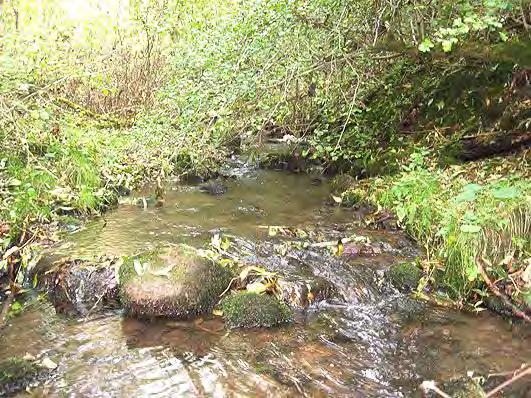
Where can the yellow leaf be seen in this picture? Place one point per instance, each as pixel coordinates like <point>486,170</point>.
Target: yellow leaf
<point>273,231</point>
<point>340,248</point>
<point>337,199</point>
<point>256,287</point>
<point>217,313</point>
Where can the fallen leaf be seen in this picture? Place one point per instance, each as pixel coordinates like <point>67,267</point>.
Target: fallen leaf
<point>48,364</point>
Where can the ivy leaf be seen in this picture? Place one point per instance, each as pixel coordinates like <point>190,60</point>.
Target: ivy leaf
<point>466,196</point>
<point>468,193</point>
<point>472,273</point>
<point>426,45</point>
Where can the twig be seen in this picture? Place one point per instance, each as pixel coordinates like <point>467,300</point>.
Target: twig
<point>516,311</point>
<point>429,385</point>
<point>519,375</point>
<point>5,309</point>
<point>351,107</point>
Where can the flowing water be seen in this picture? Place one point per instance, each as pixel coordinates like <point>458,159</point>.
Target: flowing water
<point>368,341</point>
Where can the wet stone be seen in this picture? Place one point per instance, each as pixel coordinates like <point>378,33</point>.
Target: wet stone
<point>171,282</point>
<point>301,294</point>
<point>214,188</point>
<point>252,310</point>
<point>81,287</point>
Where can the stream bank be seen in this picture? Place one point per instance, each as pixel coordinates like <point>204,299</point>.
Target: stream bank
<point>363,337</point>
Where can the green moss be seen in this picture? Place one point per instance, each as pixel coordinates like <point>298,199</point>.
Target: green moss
<point>404,276</point>
<point>251,310</point>
<point>16,371</point>
<point>171,282</point>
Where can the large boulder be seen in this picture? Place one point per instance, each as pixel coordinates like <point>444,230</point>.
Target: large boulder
<point>251,310</point>
<point>172,282</point>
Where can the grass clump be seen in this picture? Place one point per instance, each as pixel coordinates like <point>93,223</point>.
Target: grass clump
<point>16,371</point>
<point>253,310</point>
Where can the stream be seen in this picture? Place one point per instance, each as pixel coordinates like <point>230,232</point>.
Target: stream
<point>367,341</point>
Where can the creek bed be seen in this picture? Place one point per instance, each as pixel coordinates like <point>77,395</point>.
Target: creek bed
<point>375,342</point>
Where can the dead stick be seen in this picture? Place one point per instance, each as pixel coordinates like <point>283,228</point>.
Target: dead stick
<point>516,311</point>
<point>5,309</point>
<point>508,382</point>
<point>428,385</point>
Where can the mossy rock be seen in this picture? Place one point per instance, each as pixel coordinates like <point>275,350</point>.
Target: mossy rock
<point>252,310</point>
<point>172,282</point>
<point>16,374</point>
<point>80,287</point>
<point>404,276</point>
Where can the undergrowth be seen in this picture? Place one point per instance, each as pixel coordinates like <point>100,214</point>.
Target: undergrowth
<point>96,100</point>
<point>465,216</point>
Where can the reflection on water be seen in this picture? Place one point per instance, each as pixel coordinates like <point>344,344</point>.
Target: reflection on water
<point>268,198</point>
<point>333,352</point>
<point>376,344</point>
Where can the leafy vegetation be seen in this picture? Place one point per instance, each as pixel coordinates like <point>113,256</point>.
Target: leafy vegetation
<point>468,217</point>
<point>96,99</point>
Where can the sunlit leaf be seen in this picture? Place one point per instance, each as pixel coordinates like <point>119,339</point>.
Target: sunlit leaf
<point>139,269</point>
<point>470,228</point>
<point>506,193</point>
<point>257,287</point>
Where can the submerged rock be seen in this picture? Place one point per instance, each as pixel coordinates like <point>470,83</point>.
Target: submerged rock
<point>214,188</point>
<point>301,294</point>
<point>404,276</point>
<point>174,282</point>
<point>252,310</point>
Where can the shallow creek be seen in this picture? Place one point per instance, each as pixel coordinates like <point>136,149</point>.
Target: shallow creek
<point>369,342</point>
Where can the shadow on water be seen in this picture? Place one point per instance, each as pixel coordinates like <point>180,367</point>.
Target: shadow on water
<point>370,342</point>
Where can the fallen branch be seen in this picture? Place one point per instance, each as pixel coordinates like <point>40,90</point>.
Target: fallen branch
<point>517,312</point>
<point>105,118</point>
